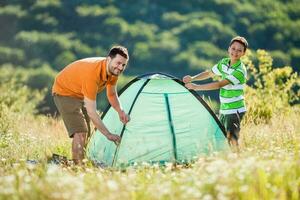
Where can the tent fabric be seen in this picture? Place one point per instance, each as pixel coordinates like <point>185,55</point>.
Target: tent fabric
<point>168,123</point>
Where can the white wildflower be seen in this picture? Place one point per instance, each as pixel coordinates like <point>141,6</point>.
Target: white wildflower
<point>112,185</point>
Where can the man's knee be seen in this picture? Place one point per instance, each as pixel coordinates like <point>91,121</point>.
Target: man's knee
<point>80,137</point>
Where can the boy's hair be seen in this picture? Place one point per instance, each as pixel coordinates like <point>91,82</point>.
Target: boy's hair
<point>118,50</point>
<point>240,40</point>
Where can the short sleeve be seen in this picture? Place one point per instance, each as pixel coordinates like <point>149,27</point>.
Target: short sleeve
<point>216,70</point>
<point>113,80</point>
<point>237,77</point>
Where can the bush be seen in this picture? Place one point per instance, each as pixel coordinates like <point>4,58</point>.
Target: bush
<point>273,91</point>
<point>6,122</point>
<point>19,98</point>
<point>11,55</point>
<point>16,100</point>
<point>16,95</point>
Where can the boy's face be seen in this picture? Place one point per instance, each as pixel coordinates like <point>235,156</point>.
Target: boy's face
<point>236,50</point>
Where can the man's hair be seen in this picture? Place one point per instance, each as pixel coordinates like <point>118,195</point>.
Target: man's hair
<point>118,50</point>
<point>240,40</point>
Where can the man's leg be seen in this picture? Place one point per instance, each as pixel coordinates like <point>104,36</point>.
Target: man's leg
<point>74,120</point>
<point>78,144</point>
<point>88,124</point>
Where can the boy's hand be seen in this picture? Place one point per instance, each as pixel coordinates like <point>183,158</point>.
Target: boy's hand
<point>187,79</point>
<point>190,86</point>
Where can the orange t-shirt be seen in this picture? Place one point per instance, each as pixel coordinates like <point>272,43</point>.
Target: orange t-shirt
<point>83,78</point>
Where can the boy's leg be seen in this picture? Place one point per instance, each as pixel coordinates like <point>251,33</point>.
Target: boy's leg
<point>231,123</point>
<point>224,121</point>
<point>234,127</point>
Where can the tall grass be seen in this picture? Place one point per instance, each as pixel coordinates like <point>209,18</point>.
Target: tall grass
<point>267,166</point>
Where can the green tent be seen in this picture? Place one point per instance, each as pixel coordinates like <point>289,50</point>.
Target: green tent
<point>168,123</point>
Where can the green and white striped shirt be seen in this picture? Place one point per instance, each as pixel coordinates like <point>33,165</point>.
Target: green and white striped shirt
<point>231,95</point>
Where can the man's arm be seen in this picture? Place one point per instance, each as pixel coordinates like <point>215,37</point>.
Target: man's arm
<point>198,77</point>
<point>91,106</point>
<point>112,96</point>
<point>208,86</point>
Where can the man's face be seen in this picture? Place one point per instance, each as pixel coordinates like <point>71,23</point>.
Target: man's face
<point>236,50</point>
<point>116,65</point>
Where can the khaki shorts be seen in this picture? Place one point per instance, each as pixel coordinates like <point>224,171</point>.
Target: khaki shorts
<point>73,113</point>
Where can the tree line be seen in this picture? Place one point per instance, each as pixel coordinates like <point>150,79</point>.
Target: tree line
<point>176,38</point>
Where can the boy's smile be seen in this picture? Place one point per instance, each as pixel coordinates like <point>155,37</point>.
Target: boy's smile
<point>236,51</point>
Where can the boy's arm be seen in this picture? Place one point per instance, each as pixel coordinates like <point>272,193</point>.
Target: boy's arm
<point>208,86</point>
<point>198,77</point>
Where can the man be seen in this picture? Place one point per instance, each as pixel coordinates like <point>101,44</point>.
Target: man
<point>75,90</point>
<point>234,76</point>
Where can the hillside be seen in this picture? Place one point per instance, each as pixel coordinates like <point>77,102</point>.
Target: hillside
<point>176,38</point>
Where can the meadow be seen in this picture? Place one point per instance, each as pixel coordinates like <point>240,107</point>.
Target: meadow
<point>266,167</point>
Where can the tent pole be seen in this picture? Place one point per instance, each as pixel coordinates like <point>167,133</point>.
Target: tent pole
<point>124,126</point>
<point>171,128</point>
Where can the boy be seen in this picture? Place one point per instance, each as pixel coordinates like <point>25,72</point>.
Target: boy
<point>234,74</point>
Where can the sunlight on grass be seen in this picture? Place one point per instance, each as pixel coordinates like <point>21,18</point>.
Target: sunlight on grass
<point>266,168</point>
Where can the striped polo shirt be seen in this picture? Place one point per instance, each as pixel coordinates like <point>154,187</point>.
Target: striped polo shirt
<point>231,95</point>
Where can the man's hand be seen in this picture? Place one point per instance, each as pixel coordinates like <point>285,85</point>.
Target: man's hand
<point>124,118</point>
<point>114,138</point>
<point>187,79</point>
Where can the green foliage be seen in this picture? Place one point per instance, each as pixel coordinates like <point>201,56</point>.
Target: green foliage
<point>47,4</point>
<point>25,90</point>
<point>51,45</point>
<point>141,32</point>
<point>206,29</point>
<point>6,124</point>
<point>40,78</point>
<point>12,10</point>
<point>199,56</point>
<point>176,38</point>
<point>295,55</point>
<point>18,97</point>
<point>9,17</point>
<point>11,55</point>
<point>273,90</point>
<point>280,58</point>
<point>96,11</point>
<point>18,101</point>
<point>64,59</point>
<point>44,30</point>
<point>46,19</point>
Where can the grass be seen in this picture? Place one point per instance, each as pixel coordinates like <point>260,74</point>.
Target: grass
<point>266,168</point>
